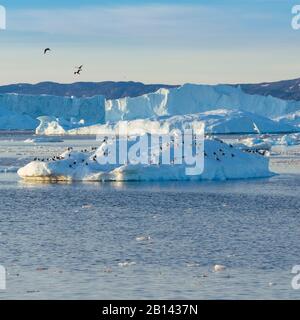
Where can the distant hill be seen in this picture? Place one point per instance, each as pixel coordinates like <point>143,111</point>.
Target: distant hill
<point>286,89</point>
<point>109,89</point>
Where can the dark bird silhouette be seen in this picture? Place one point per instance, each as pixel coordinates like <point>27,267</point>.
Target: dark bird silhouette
<point>47,50</point>
<point>79,70</point>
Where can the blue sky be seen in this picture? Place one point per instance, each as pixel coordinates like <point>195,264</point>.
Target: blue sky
<point>200,41</point>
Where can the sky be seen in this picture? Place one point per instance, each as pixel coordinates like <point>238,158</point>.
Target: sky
<point>154,41</point>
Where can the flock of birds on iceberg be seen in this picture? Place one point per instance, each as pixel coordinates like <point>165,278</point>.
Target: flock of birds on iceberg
<point>221,161</point>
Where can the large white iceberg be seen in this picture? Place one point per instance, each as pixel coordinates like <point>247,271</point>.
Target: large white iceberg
<point>221,162</point>
<point>216,121</point>
<point>194,98</point>
<point>73,113</point>
<point>27,108</point>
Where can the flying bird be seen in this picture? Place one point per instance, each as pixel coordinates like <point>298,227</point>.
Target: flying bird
<point>79,70</point>
<point>47,50</point>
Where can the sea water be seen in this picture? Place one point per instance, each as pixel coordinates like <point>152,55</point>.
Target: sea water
<point>154,240</point>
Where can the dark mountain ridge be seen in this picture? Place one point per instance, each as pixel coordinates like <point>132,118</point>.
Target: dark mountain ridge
<point>286,89</point>
<point>109,89</point>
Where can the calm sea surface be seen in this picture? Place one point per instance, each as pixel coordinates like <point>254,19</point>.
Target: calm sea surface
<point>80,240</point>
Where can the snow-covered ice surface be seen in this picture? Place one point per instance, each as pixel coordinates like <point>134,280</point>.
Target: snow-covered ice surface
<point>67,240</point>
<point>216,121</point>
<point>221,162</point>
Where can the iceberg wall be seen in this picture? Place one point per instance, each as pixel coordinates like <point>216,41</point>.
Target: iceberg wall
<point>23,110</point>
<point>90,110</point>
<point>192,98</point>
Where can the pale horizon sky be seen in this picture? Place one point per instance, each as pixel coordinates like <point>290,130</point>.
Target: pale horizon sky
<point>149,41</point>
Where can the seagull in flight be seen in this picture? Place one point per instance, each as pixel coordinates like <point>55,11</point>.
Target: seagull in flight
<point>47,50</point>
<point>79,70</point>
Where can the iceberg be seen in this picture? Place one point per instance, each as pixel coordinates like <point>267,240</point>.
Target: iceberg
<point>289,140</point>
<point>256,144</point>
<point>10,120</point>
<point>221,162</point>
<point>292,119</point>
<point>28,108</point>
<point>266,143</point>
<point>44,140</point>
<point>195,98</point>
<point>58,115</point>
<point>216,122</point>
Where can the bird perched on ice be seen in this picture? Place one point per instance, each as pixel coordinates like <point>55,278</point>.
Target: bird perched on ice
<point>47,50</point>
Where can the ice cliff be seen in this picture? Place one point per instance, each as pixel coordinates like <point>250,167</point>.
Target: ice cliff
<point>22,111</point>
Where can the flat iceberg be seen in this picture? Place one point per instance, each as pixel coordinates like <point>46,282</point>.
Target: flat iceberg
<point>266,142</point>
<point>289,140</point>
<point>44,140</point>
<point>221,162</point>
